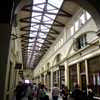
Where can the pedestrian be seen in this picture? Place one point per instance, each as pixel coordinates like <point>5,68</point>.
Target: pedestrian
<point>55,92</point>
<point>76,93</point>
<point>19,90</point>
<point>38,89</point>
<point>42,93</point>
<point>90,92</point>
<point>64,92</point>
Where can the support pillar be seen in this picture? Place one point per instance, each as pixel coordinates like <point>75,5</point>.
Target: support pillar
<point>51,79</point>
<point>59,78</point>
<point>44,78</point>
<point>4,52</point>
<point>66,74</point>
<point>11,81</point>
<point>78,74</point>
<point>40,78</point>
<point>86,71</point>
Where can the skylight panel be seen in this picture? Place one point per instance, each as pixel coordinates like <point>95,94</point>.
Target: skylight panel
<point>30,44</point>
<point>46,19</point>
<point>36,19</point>
<point>39,44</point>
<point>41,7</point>
<point>48,26</point>
<point>38,1</point>
<point>31,40</point>
<point>32,28</point>
<point>34,34</point>
<point>43,27</point>
<point>38,8</point>
<point>56,3</point>
<point>35,52</point>
<point>36,27</point>
<point>37,48</point>
<point>29,47</point>
<point>49,7</point>
<point>54,11</point>
<point>35,14</point>
<point>51,16</point>
<point>42,35</point>
<point>41,22</point>
<point>40,40</point>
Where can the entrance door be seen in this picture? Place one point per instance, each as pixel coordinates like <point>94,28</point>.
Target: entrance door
<point>83,82</point>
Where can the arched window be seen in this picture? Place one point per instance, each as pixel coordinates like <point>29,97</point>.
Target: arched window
<point>48,65</point>
<point>58,58</point>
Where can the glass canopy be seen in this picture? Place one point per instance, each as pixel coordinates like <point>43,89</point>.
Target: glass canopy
<point>43,15</point>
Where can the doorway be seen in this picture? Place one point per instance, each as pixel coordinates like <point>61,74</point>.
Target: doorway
<point>83,82</point>
<point>82,76</point>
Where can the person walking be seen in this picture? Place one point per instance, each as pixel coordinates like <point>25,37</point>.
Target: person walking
<point>19,90</point>
<point>42,93</point>
<point>76,93</point>
<point>55,92</point>
<point>64,92</point>
<point>90,92</point>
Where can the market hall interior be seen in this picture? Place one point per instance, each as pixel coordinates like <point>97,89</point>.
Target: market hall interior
<point>48,42</point>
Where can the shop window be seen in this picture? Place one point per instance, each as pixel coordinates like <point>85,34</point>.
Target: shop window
<point>48,81</point>
<point>82,67</point>
<point>72,76</point>
<point>56,78</point>
<point>83,76</point>
<point>94,74</point>
<point>62,75</point>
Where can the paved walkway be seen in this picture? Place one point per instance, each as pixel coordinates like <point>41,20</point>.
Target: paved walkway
<point>50,97</point>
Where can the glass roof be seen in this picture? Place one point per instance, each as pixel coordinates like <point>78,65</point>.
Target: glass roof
<point>41,22</point>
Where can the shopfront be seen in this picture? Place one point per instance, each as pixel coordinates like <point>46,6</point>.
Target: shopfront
<point>56,78</point>
<point>62,76</point>
<point>72,76</point>
<point>83,84</point>
<point>48,80</point>
<point>94,74</point>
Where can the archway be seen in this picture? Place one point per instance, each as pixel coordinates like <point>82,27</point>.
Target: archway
<point>92,6</point>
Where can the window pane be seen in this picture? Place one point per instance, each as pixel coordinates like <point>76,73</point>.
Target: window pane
<point>82,19</point>
<point>88,16</point>
<point>72,30</point>
<point>82,41</point>
<point>76,25</point>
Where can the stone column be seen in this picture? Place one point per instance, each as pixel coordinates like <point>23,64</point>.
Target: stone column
<point>4,59</point>
<point>11,87</point>
<point>40,78</point>
<point>51,79</point>
<point>44,78</point>
<point>66,74</point>
<point>86,71</point>
<point>59,77</point>
<point>78,74</point>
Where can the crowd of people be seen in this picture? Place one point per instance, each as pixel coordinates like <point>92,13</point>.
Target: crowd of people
<point>30,91</point>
